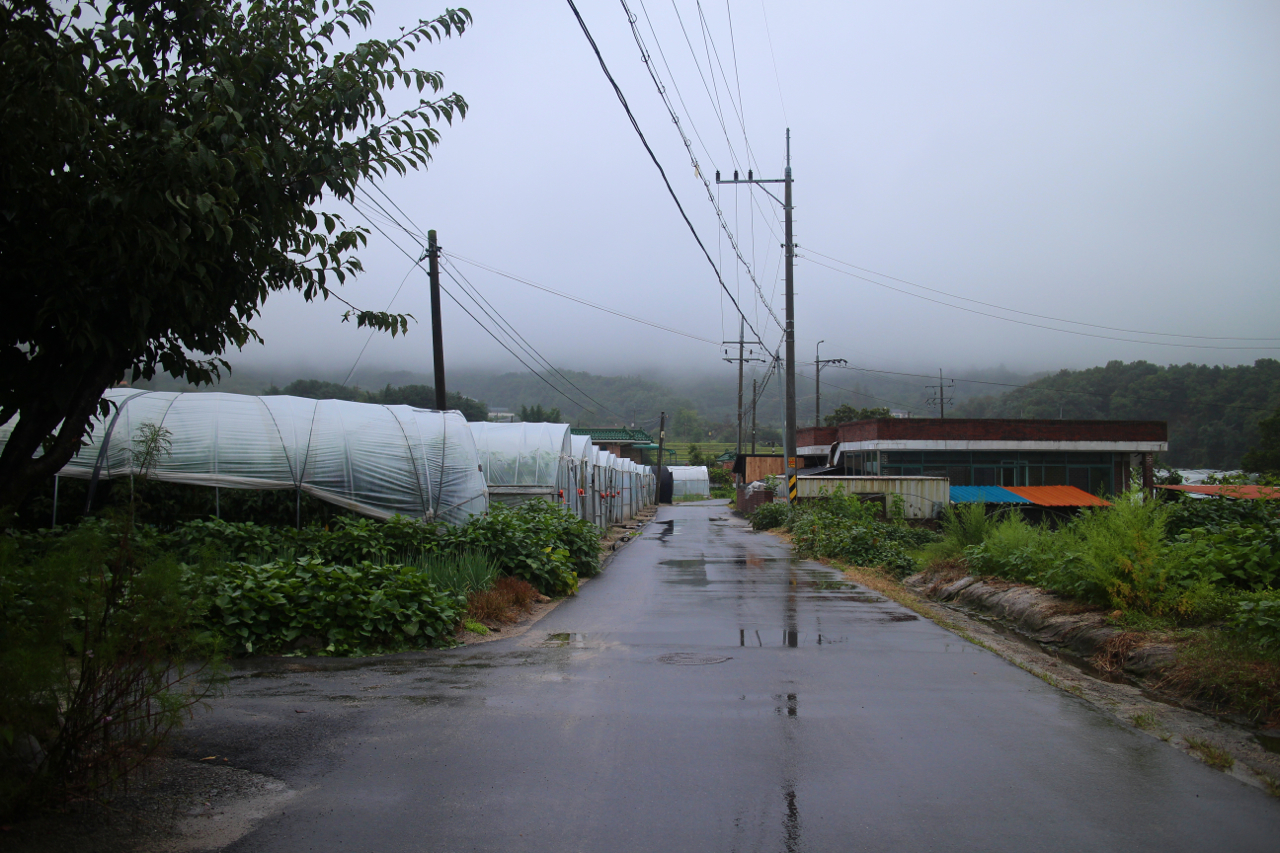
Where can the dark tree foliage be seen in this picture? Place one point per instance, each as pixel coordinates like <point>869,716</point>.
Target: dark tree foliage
<point>539,415</point>
<point>418,396</point>
<point>845,414</point>
<point>1264,458</point>
<point>160,166</point>
<point>1213,412</point>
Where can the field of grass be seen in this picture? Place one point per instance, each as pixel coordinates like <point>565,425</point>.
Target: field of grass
<point>714,448</point>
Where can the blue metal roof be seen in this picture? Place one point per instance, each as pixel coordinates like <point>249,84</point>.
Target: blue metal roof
<point>985,495</point>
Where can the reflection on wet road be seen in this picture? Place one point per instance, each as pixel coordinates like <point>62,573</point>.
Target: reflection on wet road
<point>709,691</point>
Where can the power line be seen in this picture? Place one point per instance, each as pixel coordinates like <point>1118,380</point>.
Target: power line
<point>1035,325</point>
<point>456,257</point>
<point>372,332</point>
<point>514,354</point>
<point>529,347</point>
<point>1030,314</point>
<point>487,330</point>
<point>863,394</point>
<point>670,190</point>
<point>772,56</point>
<point>724,225</point>
<point>491,312</point>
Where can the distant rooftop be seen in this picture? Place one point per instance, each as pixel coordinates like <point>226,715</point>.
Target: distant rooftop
<point>614,435</point>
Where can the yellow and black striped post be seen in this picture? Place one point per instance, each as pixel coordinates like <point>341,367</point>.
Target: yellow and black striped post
<point>791,487</point>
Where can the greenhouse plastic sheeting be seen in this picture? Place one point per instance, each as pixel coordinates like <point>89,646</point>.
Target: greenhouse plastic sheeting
<point>379,461</point>
<point>689,481</point>
<point>524,461</point>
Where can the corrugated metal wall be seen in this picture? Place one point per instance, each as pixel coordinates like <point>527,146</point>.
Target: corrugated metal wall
<point>924,497</point>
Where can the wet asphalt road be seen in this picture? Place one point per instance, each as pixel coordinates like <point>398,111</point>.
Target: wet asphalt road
<point>834,720</point>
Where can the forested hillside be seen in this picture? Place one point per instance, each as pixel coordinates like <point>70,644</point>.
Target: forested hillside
<point>1212,412</point>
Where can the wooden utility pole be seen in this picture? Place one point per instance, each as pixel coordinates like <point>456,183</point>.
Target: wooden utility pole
<point>437,333</point>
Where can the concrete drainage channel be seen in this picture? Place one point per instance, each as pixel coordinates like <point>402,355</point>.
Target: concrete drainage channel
<point>1019,624</point>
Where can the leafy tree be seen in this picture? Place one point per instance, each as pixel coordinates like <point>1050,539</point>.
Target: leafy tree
<point>1265,456</point>
<point>846,413</point>
<point>1213,412</point>
<point>424,397</point>
<point>160,168</point>
<point>696,456</point>
<point>418,396</point>
<point>539,415</point>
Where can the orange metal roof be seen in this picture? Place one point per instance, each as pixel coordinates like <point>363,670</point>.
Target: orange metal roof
<point>1247,492</point>
<point>1057,496</point>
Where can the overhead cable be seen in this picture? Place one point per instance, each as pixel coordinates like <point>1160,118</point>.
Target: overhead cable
<point>1028,313</point>
<point>456,257</point>
<point>529,347</point>
<point>487,330</point>
<point>1036,325</point>
<point>711,196</point>
<point>670,190</point>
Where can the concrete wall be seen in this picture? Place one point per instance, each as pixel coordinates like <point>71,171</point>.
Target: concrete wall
<point>923,497</point>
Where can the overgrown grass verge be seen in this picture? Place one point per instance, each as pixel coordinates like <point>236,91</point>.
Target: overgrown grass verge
<point>1215,756</point>
<point>1224,672</point>
<point>1196,574</point>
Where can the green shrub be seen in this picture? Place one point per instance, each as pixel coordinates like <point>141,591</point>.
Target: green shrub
<point>333,609</point>
<point>544,544</point>
<point>770,516</point>
<point>1234,554</point>
<point>719,476</point>
<point>1257,617</point>
<point>842,527</point>
<point>96,630</point>
<point>966,524</point>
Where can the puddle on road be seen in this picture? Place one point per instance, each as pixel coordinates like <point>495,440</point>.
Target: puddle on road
<point>669,528</point>
<point>566,639</point>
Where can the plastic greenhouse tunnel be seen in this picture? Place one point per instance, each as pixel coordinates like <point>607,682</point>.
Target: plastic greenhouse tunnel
<point>375,460</point>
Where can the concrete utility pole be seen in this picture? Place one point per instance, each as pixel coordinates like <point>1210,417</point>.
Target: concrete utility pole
<point>437,334</point>
<point>789,426</point>
<point>742,359</point>
<point>817,381</point>
<point>662,439</point>
<point>754,396</point>
<point>942,388</point>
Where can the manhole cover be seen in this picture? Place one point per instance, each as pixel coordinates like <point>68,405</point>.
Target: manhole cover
<point>691,659</point>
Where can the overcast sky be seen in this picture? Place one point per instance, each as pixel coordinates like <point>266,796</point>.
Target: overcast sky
<point>1110,163</point>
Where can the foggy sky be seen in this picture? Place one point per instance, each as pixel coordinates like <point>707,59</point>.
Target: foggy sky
<point>1111,163</point>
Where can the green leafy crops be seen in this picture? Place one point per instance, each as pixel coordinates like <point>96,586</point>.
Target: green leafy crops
<point>337,610</point>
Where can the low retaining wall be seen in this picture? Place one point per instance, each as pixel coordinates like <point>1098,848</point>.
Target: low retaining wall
<point>1040,616</point>
<point>747,504</point>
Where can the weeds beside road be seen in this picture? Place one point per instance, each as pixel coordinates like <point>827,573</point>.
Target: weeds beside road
<point>100,620</point>
<point>1196,576</point>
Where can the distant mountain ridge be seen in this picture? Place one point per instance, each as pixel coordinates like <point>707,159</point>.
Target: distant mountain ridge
<point>1212,412</point>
